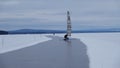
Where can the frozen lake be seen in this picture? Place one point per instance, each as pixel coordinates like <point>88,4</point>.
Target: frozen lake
<point>85,50</point>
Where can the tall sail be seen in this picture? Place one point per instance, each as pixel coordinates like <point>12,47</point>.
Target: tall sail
<point>68,24</point>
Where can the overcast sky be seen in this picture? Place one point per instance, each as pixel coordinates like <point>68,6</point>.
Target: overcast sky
<point>51,14</point>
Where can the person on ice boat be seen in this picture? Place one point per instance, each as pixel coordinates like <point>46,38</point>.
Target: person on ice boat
<point>66,37</point>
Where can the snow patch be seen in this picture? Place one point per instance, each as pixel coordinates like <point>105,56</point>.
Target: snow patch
<point>15,42</point>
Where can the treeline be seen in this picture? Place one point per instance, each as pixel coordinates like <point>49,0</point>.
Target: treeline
<point>3,32</point>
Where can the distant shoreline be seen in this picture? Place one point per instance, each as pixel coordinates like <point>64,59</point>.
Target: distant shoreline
<point>32,31</point>
<point>61,33</point>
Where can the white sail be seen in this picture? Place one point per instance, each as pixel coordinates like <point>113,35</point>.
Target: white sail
<point>68,24</point>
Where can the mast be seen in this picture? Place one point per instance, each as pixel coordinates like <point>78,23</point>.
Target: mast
<point>68,24</point>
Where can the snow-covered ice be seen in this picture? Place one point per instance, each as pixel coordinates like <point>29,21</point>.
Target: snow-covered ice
<point>103,49</point>
<point>86,50</point>
<point>14,42</point>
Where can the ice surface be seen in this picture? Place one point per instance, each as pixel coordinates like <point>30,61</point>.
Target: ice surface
<point>103,49</point>
<point>14,42</point>
<point>55,53</point>
<point>98,50</point>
